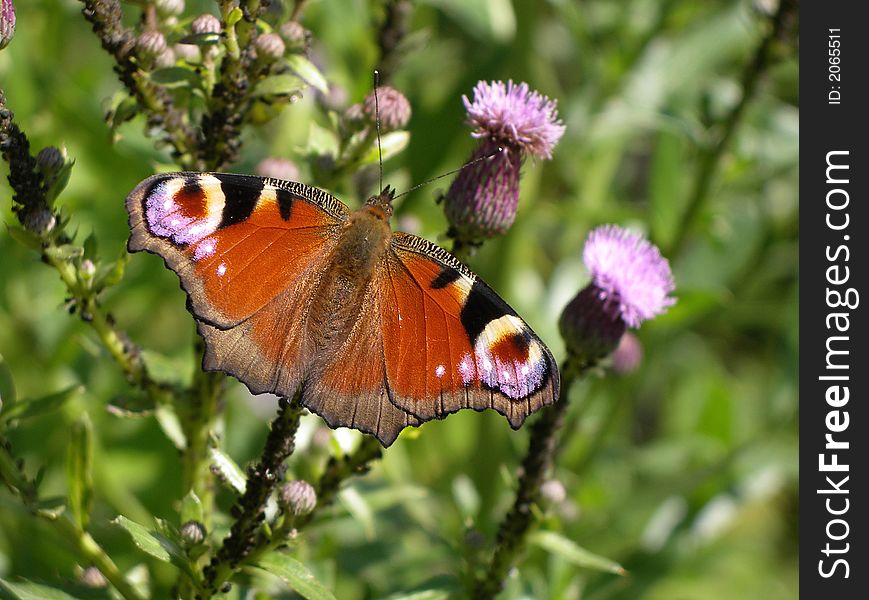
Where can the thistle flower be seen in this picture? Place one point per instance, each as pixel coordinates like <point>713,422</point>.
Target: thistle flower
<point>278,168</point>
<point>7,22</point>
<point>511,122</point>
<point>297,497</point>
<point>631,283</point>
<point>392,105</point>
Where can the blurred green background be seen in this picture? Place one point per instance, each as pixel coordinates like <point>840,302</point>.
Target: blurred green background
<point>684,471</point>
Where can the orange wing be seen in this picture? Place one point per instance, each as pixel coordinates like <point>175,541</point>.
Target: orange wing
<point>246,250</point>
<point>450,342</point>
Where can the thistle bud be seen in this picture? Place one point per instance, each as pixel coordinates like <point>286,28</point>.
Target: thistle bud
<point>297,497</point>
<point>193,533</point>
<point>150,45</point>
<point>511,122</point>
<point>7,22</point>
<point>278,168</point>
<point>392,105</point>
<point>269,47</point>
<point>295,36</point>
<point>205,24</point>
<point>87,269</point>
<point>93,578</point>
<point>167,8</point>
<point>49,161</point>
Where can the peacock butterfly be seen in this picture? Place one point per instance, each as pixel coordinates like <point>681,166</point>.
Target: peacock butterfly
<point>290,288</point>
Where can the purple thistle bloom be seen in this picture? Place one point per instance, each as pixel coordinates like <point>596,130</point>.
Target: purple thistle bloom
<point>7,22</point>
<point>631,283</point>
<point>511,121</point>
<point>627,267</point>
<point>514,116</point>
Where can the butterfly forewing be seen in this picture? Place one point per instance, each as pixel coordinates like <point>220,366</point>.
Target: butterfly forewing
<point>236,242</point>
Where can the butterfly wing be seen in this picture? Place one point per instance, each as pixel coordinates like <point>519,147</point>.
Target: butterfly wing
<point>450,342</point>
<point>347,386</point>
<point>246,250</point>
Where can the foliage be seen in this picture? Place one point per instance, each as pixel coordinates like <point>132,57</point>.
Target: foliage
<point>676,480</point>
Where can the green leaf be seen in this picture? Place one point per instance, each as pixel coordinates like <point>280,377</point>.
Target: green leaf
<point>233,17</point>
<point>176,77</point>
<point>24,237</point>
<point>296,575</point>
<point>171,425</point>
<point>64,252</point>
<point>112,273</point>
<point>155,543</point>
<point>24,409</point>
<point>201,39</point>
<point>90,247</point>
<point>308,71</point>
<point>231,472</point>
<point>279,85</point>
<point>191,508</point>
<point>571,551</point>
<point>59,181</point>
<point>27,590</point>
<point>7,386</point>
<point>392,144</point>
<point>79,471</point>
<point>125,109</point>
<point>322,141</point>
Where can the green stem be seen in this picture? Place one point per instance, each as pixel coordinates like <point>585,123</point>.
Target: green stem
<point>203,412</point>
<point>711,158</point>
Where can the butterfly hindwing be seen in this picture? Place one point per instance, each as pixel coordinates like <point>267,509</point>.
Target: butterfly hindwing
<point>450,342</point>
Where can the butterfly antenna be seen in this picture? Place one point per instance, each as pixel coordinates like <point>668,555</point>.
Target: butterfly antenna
<point>377,125</point>
<point>448,173</point>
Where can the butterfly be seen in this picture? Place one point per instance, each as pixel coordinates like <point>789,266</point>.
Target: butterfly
<point>292,290</point>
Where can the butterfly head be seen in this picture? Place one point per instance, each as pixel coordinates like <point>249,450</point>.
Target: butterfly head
<point>381,204</point>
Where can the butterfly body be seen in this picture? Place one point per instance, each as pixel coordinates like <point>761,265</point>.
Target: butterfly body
<point>380,329</point>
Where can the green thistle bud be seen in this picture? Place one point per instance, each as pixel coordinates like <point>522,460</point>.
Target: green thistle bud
<point>296,37</point>
<point>205,24</point>
<point>50,161</point>
<point>297,497</point>
<point>269,47</point>
<point>193,533</point>
<point>150,45</point>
